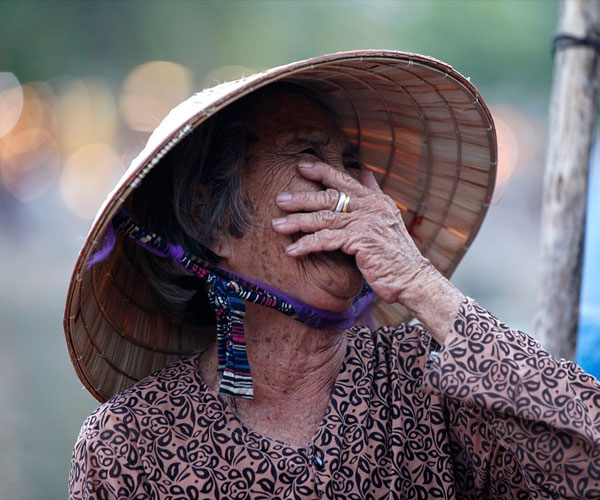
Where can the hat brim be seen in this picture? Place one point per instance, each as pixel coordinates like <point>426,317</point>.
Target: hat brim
<point>419,125</point>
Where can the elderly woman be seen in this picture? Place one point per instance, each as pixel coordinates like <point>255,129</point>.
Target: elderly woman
<point>214,301</point>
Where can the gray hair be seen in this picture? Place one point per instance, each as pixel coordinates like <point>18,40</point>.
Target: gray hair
<point>188,199</point>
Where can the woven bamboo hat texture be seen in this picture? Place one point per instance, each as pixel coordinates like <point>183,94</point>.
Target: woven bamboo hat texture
<point>419,125</point>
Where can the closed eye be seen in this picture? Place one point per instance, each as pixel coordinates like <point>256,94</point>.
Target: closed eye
<point>309,151</point>
<point>351,161</point>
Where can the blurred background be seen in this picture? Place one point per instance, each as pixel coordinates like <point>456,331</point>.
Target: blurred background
<point>82,84</point>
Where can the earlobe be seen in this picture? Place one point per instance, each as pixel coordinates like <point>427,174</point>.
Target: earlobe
<point>222,247</point>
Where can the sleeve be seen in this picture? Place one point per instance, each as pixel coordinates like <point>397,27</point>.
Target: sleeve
<point>105,463</point>
<point>510,398</point>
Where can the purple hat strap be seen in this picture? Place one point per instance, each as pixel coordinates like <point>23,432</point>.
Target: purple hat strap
<point>227,294</point>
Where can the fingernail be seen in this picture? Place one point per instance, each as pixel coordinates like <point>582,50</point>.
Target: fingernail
<point>278,222</point>
<point>306,164</point>
<point>291,248</point>
<point>284,197</point>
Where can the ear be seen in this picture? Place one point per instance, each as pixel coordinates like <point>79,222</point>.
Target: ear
<point>222,246</point>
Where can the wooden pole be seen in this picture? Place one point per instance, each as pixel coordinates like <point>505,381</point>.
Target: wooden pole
<point>572,121</point>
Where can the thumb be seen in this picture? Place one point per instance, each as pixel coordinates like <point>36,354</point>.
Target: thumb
<point>367,178</point>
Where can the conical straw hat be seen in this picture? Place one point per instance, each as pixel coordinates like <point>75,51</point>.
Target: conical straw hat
<point>419,125</point>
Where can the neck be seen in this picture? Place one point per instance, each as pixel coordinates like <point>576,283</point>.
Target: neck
<point>294,368</point>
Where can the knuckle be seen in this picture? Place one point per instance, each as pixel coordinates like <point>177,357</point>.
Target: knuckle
<point>327,234</point>
<point>390,201</point>
<point>312,239</point>
<point>384,203</point>
<point>327,216</point>
<point>324,198</point>
<point>319,217</point>
<point>330,196</point>
<point>342,176</point>
<point>316,238</point>
<point>302,197</point>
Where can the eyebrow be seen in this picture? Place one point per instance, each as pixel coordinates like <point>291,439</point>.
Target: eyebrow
<point>311,135</point>
<point>318,138</point>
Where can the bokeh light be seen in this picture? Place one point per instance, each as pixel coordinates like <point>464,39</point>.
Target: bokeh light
<point>11,102</point>
<point>88,174</point>
<point>29,153</point>
<point>151,90</point>
<point>517,141</point>
<point>87,113</point>
<point>31,164</point>
<point>508,151</point>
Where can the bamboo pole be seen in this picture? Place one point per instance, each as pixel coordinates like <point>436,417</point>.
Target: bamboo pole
<point>572,120</point>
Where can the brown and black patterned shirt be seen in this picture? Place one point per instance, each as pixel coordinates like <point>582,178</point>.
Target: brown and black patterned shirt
<point>490,414</point>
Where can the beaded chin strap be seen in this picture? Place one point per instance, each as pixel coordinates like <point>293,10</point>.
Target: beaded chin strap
<point>227,294</point>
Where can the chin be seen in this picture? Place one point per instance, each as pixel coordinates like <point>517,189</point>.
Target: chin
<point>338,280</point>
<point>337,305</point>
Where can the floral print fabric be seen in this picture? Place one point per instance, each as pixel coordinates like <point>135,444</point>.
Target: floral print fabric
<point>490,414</point>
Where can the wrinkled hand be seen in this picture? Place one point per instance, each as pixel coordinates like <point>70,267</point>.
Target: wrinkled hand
<point>372,229</point>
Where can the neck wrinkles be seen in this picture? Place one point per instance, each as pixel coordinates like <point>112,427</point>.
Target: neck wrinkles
<point>286,354</point>
<point>294,369</point>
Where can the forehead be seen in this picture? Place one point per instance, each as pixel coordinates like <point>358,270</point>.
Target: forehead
<point>284,114</point>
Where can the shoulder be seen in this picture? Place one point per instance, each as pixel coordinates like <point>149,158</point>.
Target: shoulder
<point>112,448</point>
<point>122,417</point>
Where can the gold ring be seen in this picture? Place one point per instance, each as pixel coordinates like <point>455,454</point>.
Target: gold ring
<point>346,203</point>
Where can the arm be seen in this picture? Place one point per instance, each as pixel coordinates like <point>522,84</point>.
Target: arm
<point>545,413</point>
<point>434,300</point>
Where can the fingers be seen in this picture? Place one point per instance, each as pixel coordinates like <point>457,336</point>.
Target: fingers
<point>332,178</point>
<point>326,240</point>
<point>313,200</point>
<point>336,180</point>
<point>311,222</point>
<point>367,178</point>
<point>308,200</point>
<point>326,228</point>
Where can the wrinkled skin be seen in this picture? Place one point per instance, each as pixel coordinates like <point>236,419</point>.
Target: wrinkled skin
<point>289,129</point>
<point>295,169</point>
<point>372,230</point>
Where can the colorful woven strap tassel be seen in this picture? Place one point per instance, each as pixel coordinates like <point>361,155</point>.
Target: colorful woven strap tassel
<point>227,294</point>
<point>229,308</point>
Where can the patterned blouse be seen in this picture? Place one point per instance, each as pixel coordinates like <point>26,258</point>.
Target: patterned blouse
<point>490,414</point>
